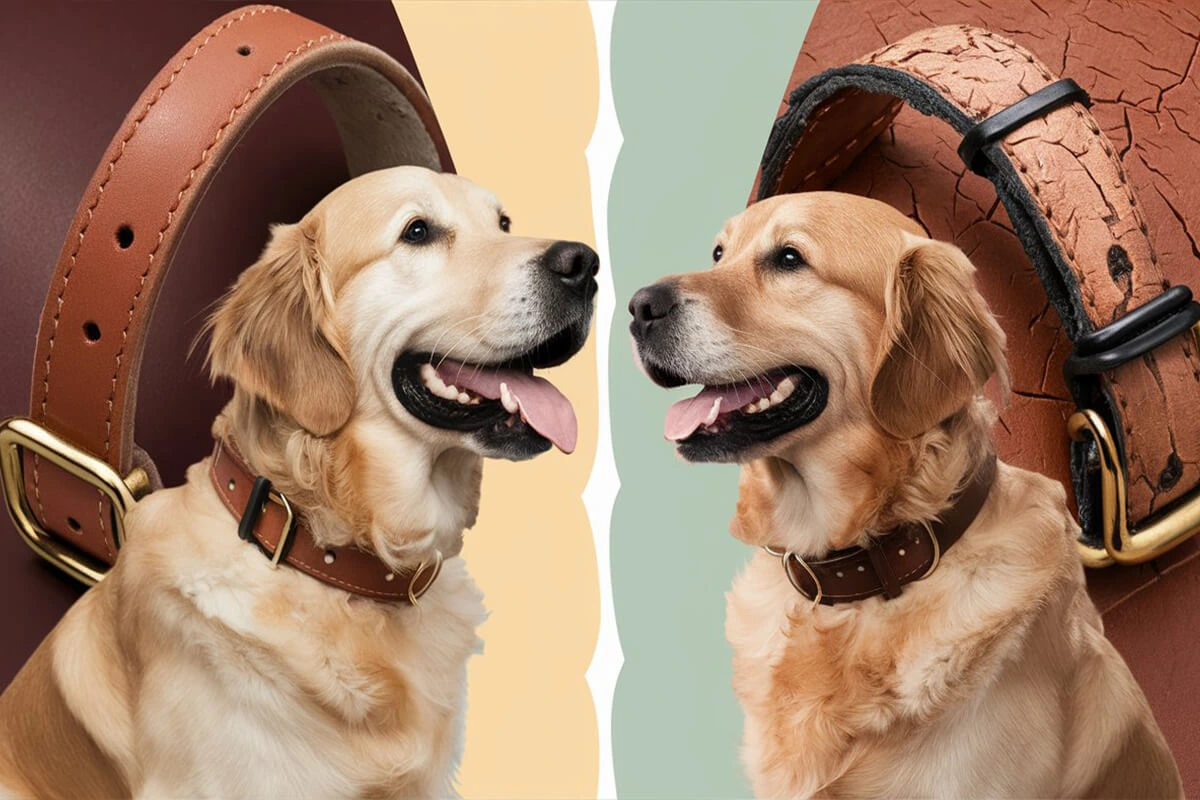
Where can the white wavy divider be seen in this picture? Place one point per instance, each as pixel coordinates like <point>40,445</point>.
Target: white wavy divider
<point>601,490</point>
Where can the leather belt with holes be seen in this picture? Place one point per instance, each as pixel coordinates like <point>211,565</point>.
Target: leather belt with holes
<point>71,469</point>
<point>1134,373</point>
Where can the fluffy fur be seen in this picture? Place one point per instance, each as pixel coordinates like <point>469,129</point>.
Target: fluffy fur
<point>992,677</point>
<point>194,669</point>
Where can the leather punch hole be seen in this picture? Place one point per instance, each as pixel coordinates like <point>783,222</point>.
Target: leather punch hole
<point>1002,123</point>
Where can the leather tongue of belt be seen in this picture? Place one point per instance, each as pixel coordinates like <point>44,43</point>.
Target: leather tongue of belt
<point>1133,373</point>
<point>74,461</point>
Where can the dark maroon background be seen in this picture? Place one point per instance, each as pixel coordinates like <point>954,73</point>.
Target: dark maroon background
<point>70,72</point>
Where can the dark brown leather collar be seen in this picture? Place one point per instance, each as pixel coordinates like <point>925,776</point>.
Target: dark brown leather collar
<point>906,554</point>
<point>275,527</point>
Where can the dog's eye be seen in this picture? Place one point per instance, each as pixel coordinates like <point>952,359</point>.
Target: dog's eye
<point>790,258</point>
<point>505,223</point>
<point>718,251</point>
<point>416,232</point>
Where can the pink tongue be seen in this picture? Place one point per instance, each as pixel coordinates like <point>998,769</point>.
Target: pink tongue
<point>542,405</point>
<point>684,417</point>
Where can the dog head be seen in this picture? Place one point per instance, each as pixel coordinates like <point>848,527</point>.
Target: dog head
<point>404,293</point>
<point>828,328</point>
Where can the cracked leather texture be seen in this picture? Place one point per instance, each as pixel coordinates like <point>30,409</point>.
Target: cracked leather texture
<point>1138,61</point>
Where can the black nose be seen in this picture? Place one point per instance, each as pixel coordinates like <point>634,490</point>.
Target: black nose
<point>650,304</point>
<point>574,263</point>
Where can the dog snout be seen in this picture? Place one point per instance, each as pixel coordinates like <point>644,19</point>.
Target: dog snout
<point>573,263</point>
<point>650,305</point>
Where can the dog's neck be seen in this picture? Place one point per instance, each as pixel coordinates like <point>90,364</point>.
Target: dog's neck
<point>371,484</point>
<point>831,495</point>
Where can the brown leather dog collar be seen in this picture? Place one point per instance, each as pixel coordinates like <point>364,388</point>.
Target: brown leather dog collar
<point>266,518</point>
<point>1133,339</point>
<point>909,553</point>
<point>76,468</point>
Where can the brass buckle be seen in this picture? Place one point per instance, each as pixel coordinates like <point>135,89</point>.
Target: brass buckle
<point>783,556</point>
<point>285,538</point>
<point>22,433</point>
<point>1121,546</point>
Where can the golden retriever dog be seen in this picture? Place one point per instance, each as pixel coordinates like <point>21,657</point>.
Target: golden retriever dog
<point>844,356</point>
<point>379,349</point>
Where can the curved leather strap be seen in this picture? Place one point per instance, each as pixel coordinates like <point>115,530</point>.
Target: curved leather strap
<point>133,215</point>
<point>1071,204</point>
<point>894,559</point>
<point>345,568</point>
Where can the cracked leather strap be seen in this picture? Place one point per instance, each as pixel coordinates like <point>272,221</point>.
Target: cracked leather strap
<point>136,208</point>
<point>1072,207</point>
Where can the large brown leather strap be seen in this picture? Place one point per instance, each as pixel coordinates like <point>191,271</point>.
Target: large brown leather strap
<point>1071,205</point>
<point>893,559</point>
<point>275,524</point>
<point>133,215</point>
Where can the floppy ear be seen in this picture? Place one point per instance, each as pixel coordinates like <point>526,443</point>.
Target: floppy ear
<point>271,333</point>
<point>942,343</point>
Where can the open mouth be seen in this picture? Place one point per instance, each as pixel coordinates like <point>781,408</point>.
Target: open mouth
<point>511,412</point>
<point>722,423</point>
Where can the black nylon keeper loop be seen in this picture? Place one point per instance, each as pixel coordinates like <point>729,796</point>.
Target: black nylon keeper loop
<point>1139,331</point>
<point>1003,122</point>
<point>259,496</point>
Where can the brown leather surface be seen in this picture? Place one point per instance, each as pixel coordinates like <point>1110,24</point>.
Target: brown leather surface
<point>75,71</point>
<point>1138,62</point>
<point>1079,187</point>
<point>895,558</point>
<point>147,185</point>
<point>346,568</point>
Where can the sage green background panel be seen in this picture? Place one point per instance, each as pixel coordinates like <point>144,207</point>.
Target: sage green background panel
<point>696,86</point>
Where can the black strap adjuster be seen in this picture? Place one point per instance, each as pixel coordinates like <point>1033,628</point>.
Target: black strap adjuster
<point>1138,332</point>
<point>1003,122</point>
<point>260,495</point>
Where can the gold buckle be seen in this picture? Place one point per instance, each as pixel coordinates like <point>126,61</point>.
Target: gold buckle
<point>289,528</point>
<point>21,433</point>
<point>1121,546</point>
<point>783,556</point>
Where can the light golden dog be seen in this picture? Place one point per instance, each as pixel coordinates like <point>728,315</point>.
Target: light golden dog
<point>845,356</point>
<point>379,349</point>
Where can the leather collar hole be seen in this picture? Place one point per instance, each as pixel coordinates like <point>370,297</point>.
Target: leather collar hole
<point>245,50</point>
<point>124,237</point>
<point>74,525</point>
<point>91,331</point>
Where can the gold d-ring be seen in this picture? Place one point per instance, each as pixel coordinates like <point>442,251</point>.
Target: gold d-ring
<point>436,569</point>
<point>783,556</point>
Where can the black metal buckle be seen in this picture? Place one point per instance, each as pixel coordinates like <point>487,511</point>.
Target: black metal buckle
<point>1138,332</point>
<point>1005,121</point>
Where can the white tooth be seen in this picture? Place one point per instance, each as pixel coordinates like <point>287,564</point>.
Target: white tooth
<point>432,380</point>
<point>474,401</point>
<point>507,400</point>
<point>713,412</point>
<point>776,397</point>
<point>752,408</point>
<point>449,392</point>
<point>786,386</point>
<point>464,398</point>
